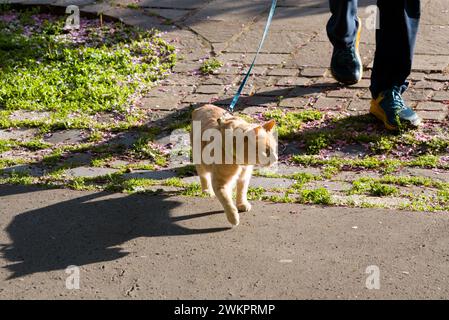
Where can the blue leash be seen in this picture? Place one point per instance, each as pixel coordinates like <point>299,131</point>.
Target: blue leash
<point>245,80</point>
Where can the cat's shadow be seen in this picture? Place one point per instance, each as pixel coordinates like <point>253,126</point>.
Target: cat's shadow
<point>87,229</point>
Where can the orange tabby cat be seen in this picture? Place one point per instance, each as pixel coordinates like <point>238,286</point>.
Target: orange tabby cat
<point>220,176</point>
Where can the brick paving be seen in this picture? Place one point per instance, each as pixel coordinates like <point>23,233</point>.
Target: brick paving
<point>291,73</point>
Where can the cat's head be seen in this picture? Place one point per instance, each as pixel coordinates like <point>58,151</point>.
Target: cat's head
<point>252,144</point>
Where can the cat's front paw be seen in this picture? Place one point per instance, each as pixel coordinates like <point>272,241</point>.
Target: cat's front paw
<point>244,207</point>
<point>233,216</point>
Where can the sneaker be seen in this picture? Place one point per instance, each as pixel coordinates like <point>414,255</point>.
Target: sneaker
<point>390,108</point>
<point>346,64</point>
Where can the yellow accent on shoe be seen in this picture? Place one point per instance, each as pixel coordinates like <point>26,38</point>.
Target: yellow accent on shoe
<point>357,44</point>
<point>380,114</point>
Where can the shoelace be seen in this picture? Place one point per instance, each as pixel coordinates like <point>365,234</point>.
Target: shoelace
<point>394,99</point>
<point>346,55</point>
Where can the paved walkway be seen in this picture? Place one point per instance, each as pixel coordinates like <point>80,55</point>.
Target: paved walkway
<point>157,247</point>
<point>183,249</point>
<point>291,74</point>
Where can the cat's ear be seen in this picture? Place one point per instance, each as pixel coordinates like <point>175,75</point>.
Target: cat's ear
<point>269,125</point>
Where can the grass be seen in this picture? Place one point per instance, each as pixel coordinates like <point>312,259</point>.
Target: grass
<point>75,76</point>
<point>315,196</point>
<point>210,66</point>
<point>288,123</point>
<point>372,187</point>
<point>101,69</point>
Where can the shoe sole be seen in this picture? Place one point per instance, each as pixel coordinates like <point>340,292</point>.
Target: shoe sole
<point>357,52</point>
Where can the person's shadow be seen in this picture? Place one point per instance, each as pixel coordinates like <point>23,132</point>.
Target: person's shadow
<point>87,230</point>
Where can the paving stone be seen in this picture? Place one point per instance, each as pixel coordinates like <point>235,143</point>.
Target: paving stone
<point>293,81</point>
<point>324,103</point>
<point>238,12</point>
<point>366,95</point>
<point>78,159</point>
<point>270,183</point>
<point>292,169</point>
<point>165,102</point>
<point>37,2</point>
<point>262,59</point>
<point>65,3</point>
<point>276,42</point>
<point>155,175</point>
<point>333,186</point>
<point>417,191</point>
<point>435,13</point>
<point>118,163</point>
<point>298,102</point>
<point>313,16</point>
<point>218,47</point>
<point>258,100</point>
<point>254,110</point>
<point>283,72</point>
<point>97,8</point>
<point>441,96</point>
<point>342,93</point>
<point>417,94</point>
<point>434,41</point>
<point>210,89</point>
<point>274,91</point>
<point>364,83</point>
<point>88,172</point>
<point>437,77</point>
<point>190,180</point>
<point>427,173</point>
<point>366,73</point>
<point>171,14</point>
<point>104,117</point>
<point>18,134</point>
<point>242,70</point>
<point>354,175</point>
<point>314,54</point>
<point>200,98</point>
<point>217,31</point>
<point>186,67</point>
<point>172,4</point>
<point>358,107</point>
<point>428,85</point>
<point>306,91</point>
<point>25,169</point>
<point>430,63</point>
<point>141,21</point>
<point>179,79</point>
<point>389,202</point>
<point>349,151</point>
<point>220,80</point>
<point>417,76</point>
<point>432,106</point>
<point>65,136</point>
<point>433,115</point>
<point>173,90</point>
<point>313,72</point>
<point>125,139</point>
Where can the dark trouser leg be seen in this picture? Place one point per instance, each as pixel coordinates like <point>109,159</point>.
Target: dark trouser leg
<point>343,24</point>
<point>395,38</point>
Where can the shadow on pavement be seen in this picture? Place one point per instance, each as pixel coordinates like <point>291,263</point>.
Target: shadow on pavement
<point>86,230</point>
